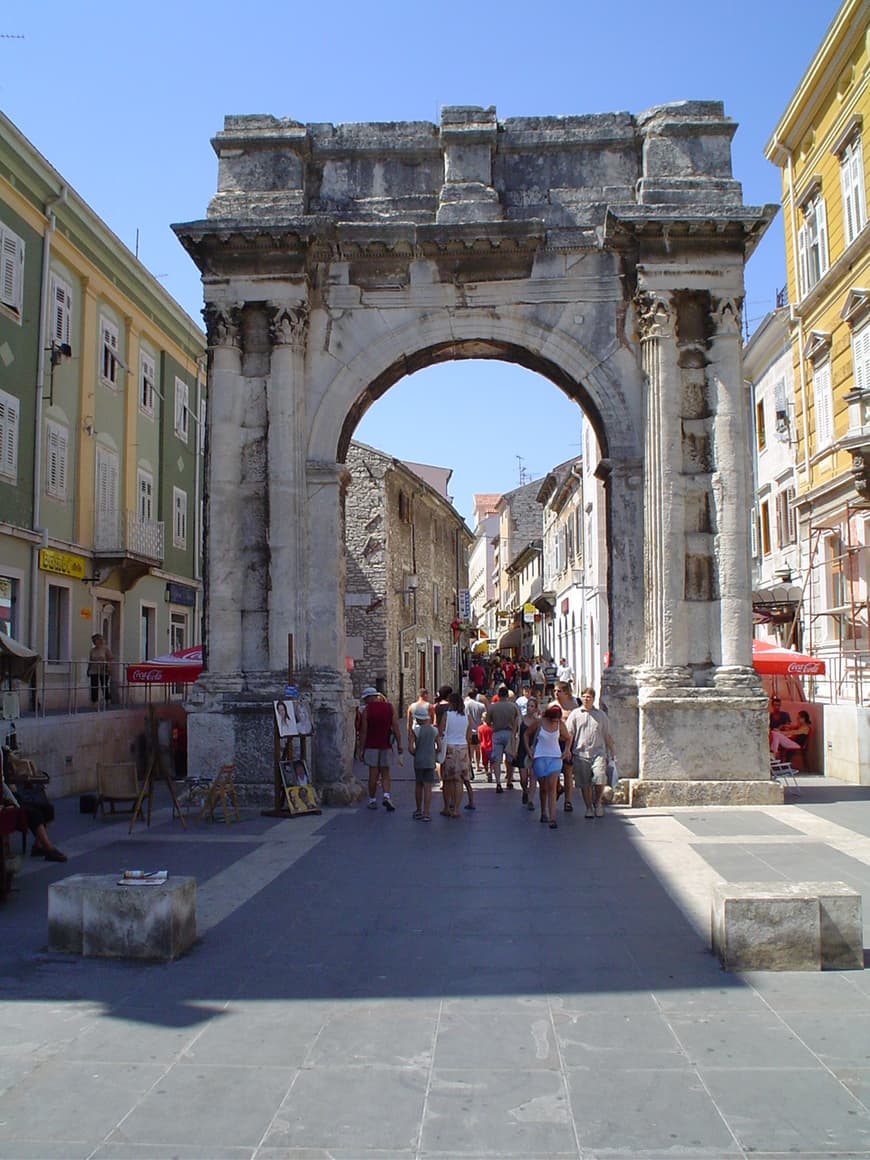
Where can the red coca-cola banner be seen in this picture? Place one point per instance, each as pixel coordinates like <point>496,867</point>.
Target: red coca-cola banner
<point>178,668</point>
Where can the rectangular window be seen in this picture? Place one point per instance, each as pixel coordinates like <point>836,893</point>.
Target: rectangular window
<point>786,526</point>
<point>179,520</point>
<point>145,491</point>
<point>823,404</point>
<point>852,186</point>
<point>11,269</point>
<point>181,409</point>
<point>57,635</point>
<point>9,605</point>
<point>813,243</point>
<point>753,534</point>
<point>109,365</point>
<point>765,527</point>
<point>780,405</point>
<point>147,382</point>
<point>760,431</point>
<point>10,409</point>
<point>56,453</point>
<point>108,526</point>
<point>61,312</point>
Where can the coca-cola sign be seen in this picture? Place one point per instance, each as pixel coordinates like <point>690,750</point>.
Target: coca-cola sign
<point>147,674</point>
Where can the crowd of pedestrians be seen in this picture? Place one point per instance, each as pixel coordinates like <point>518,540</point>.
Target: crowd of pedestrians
<point>518,723</point>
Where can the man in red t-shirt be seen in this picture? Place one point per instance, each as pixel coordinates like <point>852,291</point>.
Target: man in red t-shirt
<point>378,725</point>
<point>477,676</point>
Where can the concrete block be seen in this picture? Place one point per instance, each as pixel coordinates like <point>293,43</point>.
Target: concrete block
<point>787,926</point>
<point>842,927</point>
<point>93,915</point>
<point>654,792</point>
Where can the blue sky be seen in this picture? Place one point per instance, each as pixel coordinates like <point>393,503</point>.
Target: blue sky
<point>123,100</point>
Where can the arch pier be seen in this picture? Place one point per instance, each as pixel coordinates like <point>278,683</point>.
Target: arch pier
<point>606,253</point>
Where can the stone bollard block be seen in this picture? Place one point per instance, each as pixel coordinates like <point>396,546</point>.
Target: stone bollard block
<point>93,915</point>
<point>787,926</point>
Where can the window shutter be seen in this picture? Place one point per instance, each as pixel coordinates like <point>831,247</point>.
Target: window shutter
<point>9,412</point>
<point>803,272</point>
<point>861,358</point>
<point>822,234</point>
<point>823,404</point>
<point>12,258</point>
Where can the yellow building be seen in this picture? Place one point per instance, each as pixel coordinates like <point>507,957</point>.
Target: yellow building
<point>821,147</point>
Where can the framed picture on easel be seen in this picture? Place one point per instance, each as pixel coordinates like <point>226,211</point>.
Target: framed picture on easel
<point>300,796</point>
<point>285,719</point>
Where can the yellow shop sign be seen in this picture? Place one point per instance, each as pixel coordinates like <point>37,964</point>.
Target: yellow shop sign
<point>62,563</point>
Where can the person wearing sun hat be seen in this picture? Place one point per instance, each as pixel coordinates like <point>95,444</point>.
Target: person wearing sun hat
<point>378,726</point>
<point>422,738</point>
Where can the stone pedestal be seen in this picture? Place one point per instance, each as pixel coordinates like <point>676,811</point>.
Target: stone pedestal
<point>93,915</point>
<point>787,926</point>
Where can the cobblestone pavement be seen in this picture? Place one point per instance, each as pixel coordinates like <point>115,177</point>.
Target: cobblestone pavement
<point>368,986</point>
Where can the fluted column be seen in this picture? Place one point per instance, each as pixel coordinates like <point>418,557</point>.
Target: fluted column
<point>223,558</point>
<point>731,484</point>
<point>287,492</point>
<point>663,544</point>
<point>326,487</point>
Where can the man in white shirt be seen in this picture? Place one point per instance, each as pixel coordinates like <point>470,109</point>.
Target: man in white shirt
<point>591,745</point>
<point>564,672</point>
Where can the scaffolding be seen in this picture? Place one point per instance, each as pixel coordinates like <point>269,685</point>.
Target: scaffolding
<point>834,600</point>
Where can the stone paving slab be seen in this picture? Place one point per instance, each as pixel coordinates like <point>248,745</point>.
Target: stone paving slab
<point>367,987</point>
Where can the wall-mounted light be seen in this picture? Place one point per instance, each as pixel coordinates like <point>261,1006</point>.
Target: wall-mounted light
<point>56,351</point>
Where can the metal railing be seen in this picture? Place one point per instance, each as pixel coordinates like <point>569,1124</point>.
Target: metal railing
<point>64,688</point>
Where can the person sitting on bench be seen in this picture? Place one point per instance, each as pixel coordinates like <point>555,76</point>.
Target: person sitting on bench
<point>39,810</point>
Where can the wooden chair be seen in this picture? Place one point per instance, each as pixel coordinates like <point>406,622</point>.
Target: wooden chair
<point>117,784</point>
<point>220,792</point>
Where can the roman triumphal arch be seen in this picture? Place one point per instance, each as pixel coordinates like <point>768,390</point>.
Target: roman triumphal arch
<point>605,252</point>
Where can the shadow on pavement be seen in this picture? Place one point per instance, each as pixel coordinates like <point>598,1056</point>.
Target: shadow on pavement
<point>367,905</point>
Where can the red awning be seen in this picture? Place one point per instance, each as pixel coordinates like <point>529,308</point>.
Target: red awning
<point>178,668</point>
<point>773,659</point>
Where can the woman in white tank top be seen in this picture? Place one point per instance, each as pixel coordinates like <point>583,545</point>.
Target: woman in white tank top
<point>549,745</point>
<point>454,735</point>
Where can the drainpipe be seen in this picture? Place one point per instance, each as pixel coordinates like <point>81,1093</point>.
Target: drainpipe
<point>42,336</point>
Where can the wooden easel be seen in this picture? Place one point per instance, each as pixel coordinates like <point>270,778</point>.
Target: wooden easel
<point>156,771</point>
<point>283,751</point>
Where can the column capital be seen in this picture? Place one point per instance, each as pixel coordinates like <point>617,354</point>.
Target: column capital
<point>725,314</point>
<point>655,314</point>
<point>223,323</point>
<point>288,323</point>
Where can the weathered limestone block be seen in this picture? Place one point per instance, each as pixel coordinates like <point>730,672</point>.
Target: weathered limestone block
<point>644,791</point>
<point>787,926</point>
<point>92,915</point>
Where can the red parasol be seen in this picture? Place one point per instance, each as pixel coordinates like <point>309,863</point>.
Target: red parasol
<point>774,660</point>
<point>178,668</point>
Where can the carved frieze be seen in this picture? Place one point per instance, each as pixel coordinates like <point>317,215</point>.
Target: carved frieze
<point>655,315</point>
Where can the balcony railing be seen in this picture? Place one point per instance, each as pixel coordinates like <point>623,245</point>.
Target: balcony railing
<point>126,532</point>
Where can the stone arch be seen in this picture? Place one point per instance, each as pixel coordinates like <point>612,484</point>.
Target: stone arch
<point>605,253</point>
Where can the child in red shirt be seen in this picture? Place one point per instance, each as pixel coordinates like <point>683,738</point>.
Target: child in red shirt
<point>484,733</point>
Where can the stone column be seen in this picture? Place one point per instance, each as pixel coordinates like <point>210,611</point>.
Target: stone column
<point>731,490</point>
<point>666,647</point>
<point>332,704</point>
<point>223,561</point>
<point>326,486</point>
<point>286,452</point>
<point>624,485</point>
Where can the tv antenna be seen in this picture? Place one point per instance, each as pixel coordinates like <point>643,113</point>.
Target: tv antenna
<point>521,468</point>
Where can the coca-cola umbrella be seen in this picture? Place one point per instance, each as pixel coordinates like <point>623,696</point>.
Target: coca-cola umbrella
<point>773,660</point>
<point>178,668</point>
